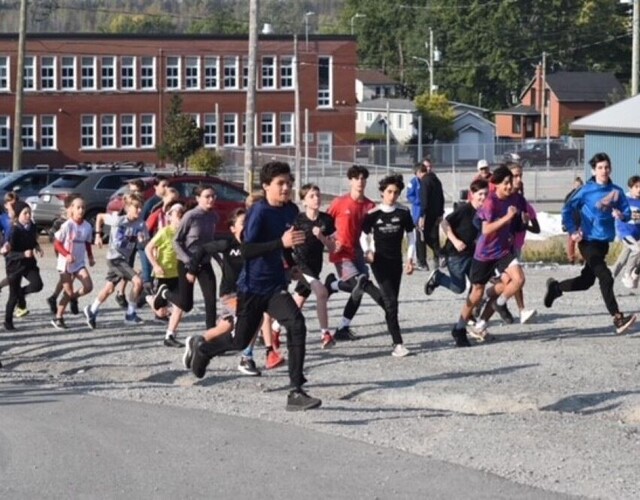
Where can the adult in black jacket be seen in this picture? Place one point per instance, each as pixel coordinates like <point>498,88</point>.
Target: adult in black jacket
<point>431,210</point>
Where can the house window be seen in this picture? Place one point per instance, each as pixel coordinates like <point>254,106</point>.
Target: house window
<point>325,83</point>
<point>48,132</point>
<point>147,131</point>
<point>173,73</point>
<point>148,73</point>
<point>29,80</point>
<point>192,73</point>
<point>268,72</point>
<point>4,133</point>
<point>195,118</point>
<point>48,73</point>
<point>68,73</point>
<point>267,126</point>
<point>210,130</point>
<point>230,72</point>
<point>108,73</point>
<point>88,131</point>
<point>4,73</point>
<point>516,127</point>
<point>286,129</point>
<point>88,73</point>
<point>211,65</point>
<point>286,72</point>
<point>325,146</point>
<point>128,73</point>
<point>127,131</point>
<point>369,117</point>
<point>29,132</point>
<point>230,129</point>
<point>400,121</point>
<point>108,131</point>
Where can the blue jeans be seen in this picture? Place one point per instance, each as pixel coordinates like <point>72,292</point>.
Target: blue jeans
<point>459,266</point>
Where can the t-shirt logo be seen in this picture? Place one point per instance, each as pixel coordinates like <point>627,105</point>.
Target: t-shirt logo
<point>235,252</point>
<point>379,221</point>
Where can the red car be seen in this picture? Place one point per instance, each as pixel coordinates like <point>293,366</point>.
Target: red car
<point>229,196</point>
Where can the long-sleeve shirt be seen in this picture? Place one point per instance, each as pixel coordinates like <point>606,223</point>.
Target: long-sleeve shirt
<point>198,226</point>
<point>431,199</point>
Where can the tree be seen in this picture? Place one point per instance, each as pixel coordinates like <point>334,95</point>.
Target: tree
<point>207,161</point>
<point>222,21</point>
<point>141,23</point>
<point>182,137</point>
<point>437,117</point>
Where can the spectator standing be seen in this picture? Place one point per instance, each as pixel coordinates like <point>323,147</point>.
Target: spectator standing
<point>413,196</point>
<point>431,210</point>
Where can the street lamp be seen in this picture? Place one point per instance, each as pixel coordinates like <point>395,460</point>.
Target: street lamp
<point>307,15</point>
<point>434,56</point>
<point>353,18</point>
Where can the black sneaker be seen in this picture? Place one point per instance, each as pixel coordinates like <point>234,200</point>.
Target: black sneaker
<point>505,314</point>
<point>553,292</point>
<point>53,306</point>
<point>358,289</point>
<point>623,323</point>
<point>160,298</point>
<point>121,300</point>
<point>172,341</point>
<point>460,337</point>
<point>188,352</point>
<point>344,333</point>
<point>431,283</point>
<point>91,317</point>
<point>199,361</point>
<point>247,366</point>
<point>73,306</point>
<point>328,281</point>
<point>298,400</point>
<point>58,323</point>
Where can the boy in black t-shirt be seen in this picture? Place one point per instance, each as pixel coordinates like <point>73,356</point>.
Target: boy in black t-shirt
<point>318,230</point>
<point>462,231</point>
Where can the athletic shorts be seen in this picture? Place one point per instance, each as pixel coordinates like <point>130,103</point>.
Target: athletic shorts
<point>347,269</point>
<point>303,288</point>
<point>119,269</point>
<point>482,271</point>
<point>171,283</point>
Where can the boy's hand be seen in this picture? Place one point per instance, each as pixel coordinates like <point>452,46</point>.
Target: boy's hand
<point>459,244</point>
<point>69,258</point>
<point>369,256</point>
<point>98,240</point>
<point>409,267</point>
<point>617,214</point>
<point>317,232</point>
<point>28,254</point>
<point>292,237</point>
<point>577,236</point>
<point>511,212</point>
<point>191,278</point>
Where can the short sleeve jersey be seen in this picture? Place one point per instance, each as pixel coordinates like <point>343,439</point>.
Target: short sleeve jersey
<point>498,244</point>
<point>518,240</point>
<point>462,224</point>
<point>310,253</point>
<point>166,253</point>
<point>74,237</point>
<point>348,215</point>
<point>125,236</point>
<point>388,229</point>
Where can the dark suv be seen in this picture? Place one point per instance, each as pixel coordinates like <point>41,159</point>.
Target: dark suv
<point>95,186</point>
<point>27,183</point>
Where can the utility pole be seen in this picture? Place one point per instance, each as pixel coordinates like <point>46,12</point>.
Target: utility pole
<point>17,120</point>
<point>546,112</point>
<point>635,53</point>
<point>296,120</point>
<point>251,96</point>
<point>431,51</point>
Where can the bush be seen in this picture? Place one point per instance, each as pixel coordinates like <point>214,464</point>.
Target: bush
<point>207,161</point>
<point>554,250</point>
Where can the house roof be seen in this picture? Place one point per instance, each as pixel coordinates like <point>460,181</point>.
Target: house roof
<point>475,115</point>
<point>462,107</point>
<point>581,86</point>
<point>373,77</point>
<point>520,109</point>
<point>620,117</point>
<point>381,105</point>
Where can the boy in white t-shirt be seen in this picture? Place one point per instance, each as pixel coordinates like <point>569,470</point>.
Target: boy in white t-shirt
<point>73,244</point>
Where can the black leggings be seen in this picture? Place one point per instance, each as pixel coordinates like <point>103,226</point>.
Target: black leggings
<point>18,292</point>
<point>183,296</point>
<point>280,306</point>
<point>352,305</point>
<point>432,240</point>
<point>594,253</point>
<point>388,274</point>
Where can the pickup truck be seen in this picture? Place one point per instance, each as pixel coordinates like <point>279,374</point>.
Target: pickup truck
<point>535,153</point>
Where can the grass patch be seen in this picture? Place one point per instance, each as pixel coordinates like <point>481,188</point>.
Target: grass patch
<point>554,250</point>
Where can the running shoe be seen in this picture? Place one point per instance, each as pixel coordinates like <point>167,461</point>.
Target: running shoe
<point>59,324</point>
<point>53,306</point>
<point>247,366</point>
<point>345,333</point>
<point>160,298</point>
<point>327,340</point>
<point>91,317</point>
<point>623,323</point>
<point>274,359</point>
<point>188,352</point>
<point>133,319</point>
<point>121,300</point>
<point>298,400</point>
<point>431,283</point>
<point>21,312</point>
<point>553,292</point>
<point>505,314</point>
<point>172,341</point>
<point>399,351</point>
<point>526,315</point>
<point>199,361</point>
<point>460,337</point>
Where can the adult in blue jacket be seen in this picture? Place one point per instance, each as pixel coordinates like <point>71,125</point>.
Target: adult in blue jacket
<point>413,196</point>
<point>600,202</point>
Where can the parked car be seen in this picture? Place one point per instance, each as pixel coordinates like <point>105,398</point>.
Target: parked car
<point>535,153</point>
<point>229,196</point>
<point>95,186</point>
<point>26,183</point>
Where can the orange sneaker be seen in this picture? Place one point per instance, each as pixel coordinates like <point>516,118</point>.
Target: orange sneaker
<point>274,359</point>
<point>327,340</point>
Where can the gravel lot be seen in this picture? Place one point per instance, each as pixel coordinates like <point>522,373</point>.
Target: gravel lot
<point>554,404</point>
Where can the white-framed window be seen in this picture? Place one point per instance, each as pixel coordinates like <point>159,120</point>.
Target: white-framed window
<point>108,131</point>
<point>195,118</point>
<point>127,131</point>
<point>148,73</point>
<point>88,131</point>
<point>231,72</point>
<point>400,120</point>
<point>286,72</point>
<point>211,72</point>
<point>4,73</point>
<point>286,129</point>
<point>325,81</point>
<point>245,72</point>
<point>369,116</point>
<point>108,73</point>
<point>48,132</point>
<point>268,80</point>
<point>173,73</point>
<point>210,130</point>
<point>5,133</point>
<point>68,73</point>
<point>230,129</point>
<point>325,147</point>
<point>192,73</point>
<point>29,73</point>
<point>147,131</point>
<point>48,73</point>
<point>88,73</point>
<point>29,132</point>
<point>127,73</point>
<point>267,128</point>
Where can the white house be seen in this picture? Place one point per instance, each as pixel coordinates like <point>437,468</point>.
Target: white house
<point>371,84</point>
<point>372,118</point>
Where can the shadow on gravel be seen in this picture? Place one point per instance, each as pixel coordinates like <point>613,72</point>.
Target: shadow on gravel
<point>23,393</point>
<point>588,404</point>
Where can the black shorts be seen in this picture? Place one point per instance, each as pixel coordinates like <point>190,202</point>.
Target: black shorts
<point>482,271</point>
<point>172,283</point>
<point>308,275</point>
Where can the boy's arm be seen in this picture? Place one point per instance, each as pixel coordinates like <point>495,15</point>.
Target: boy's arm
<point>207,250</point>
<point>100,221</point>
<point>496,225</point>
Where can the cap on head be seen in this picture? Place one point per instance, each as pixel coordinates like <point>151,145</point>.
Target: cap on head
<point>483,164</point>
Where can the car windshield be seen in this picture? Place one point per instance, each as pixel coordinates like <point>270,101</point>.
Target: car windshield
<point>9,179</point>
<point>68,181</point>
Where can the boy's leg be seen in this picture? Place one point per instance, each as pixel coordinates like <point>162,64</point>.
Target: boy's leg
<point>14,292</point>
<point>388,276</point>
<point>67,286</point>
<point>86,284</point>
<point>207,282</point>
<point>32,275</point>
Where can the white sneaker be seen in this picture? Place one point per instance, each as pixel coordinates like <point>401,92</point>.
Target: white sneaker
<point>478,330</point>
<point>400,351</point>
<point>627,281</point>
<point>527,315</point>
